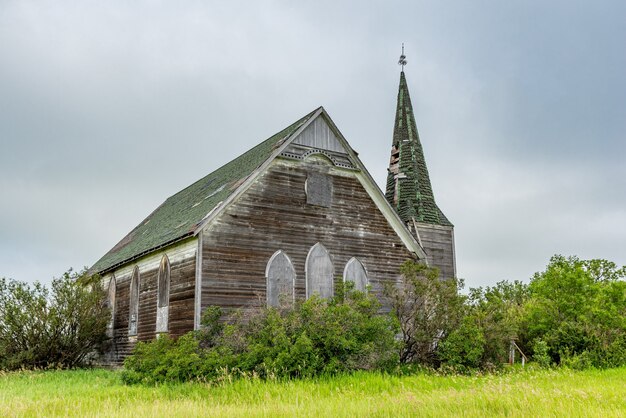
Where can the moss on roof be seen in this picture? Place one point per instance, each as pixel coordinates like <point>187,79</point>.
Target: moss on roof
<point>180,215</point>
<point>415,197</point>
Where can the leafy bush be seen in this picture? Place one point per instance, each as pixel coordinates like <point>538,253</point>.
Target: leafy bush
<point>541,356</point>
<point>578,307</point>
<point>61,327</point>
<point>313,337</point>
<point>165,359</point>
<point>573,314</point>
<point>463,348</point>
<point>496,311</point>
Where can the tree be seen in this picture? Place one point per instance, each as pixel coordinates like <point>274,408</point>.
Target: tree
<point>60,327</point>
<point>578,308</point>
<point>497,312</point>
<point>427,308</point>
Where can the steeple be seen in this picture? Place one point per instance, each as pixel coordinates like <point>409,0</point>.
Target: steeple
<point>408,185</point>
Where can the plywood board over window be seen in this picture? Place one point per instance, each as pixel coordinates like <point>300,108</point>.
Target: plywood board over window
<point>133,317</point>
<point>163,295</point>
<point>319,189</point>
<point>355,273</point>
<point>281,277</point>
<point>319,272</point>
<point>111,303</point>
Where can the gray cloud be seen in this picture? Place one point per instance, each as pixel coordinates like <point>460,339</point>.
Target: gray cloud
<point>107,108</point>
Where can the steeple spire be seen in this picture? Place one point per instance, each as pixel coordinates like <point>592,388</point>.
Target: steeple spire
<point>408,185</point>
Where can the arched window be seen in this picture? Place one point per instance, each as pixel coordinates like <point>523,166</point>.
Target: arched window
<point>133,314</point>
<point>111,304</point>
<point>319,272</point>
<point>355,272</point>
<point>281,277</point>
<point>163,295</point>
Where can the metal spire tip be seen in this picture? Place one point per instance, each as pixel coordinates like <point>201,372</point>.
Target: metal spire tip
<point>402,60</point>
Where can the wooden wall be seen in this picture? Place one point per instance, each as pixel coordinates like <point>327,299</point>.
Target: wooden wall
<point>273,214</point>
<point>438,242</point>
<point>181,302</point>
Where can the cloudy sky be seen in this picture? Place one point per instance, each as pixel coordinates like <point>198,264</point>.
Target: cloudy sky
<point>107,108</point>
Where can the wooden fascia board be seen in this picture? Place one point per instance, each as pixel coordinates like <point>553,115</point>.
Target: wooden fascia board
<point>248,182</point>
<point>377,195</point>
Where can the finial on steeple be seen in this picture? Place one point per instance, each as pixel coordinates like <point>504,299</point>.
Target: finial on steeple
<point>402,60</point>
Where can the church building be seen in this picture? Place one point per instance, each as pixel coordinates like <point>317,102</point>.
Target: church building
<point>292,217</point>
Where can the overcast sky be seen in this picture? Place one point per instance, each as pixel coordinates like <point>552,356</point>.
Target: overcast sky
<point>107,108</point>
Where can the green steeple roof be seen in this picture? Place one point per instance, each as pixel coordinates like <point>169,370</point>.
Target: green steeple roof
<point>408,185</point>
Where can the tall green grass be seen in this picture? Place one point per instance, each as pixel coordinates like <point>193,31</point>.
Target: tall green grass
<point>542,393</point>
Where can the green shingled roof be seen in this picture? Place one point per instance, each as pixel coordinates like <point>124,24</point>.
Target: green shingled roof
<point>414,192</point>
<point>180,215</point>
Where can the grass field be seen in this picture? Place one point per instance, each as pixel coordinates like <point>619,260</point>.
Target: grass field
<point>529,393</point>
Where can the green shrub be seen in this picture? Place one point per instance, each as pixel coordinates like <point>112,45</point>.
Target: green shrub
<point>540,353</point>
<point>496,310</point>
<point>573,314</point>
<point>463,348</point>
<point>313,337</point>
<point>57,327</point>
<point>578,307</point>
<point>164,359</point>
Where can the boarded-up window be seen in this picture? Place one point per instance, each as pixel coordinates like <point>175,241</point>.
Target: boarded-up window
<point>355,273</point>
<point>319,189</point>
<point>133,315</point>
<point>281,277</point>
<point>319,272</point>
<point>163,295</point>
<point>111,305</point>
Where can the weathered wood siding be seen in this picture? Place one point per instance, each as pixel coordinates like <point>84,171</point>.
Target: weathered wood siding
<point>182,259</point>
<point>438,242</point>
<point>273,214</point>
<point>319,135</point>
